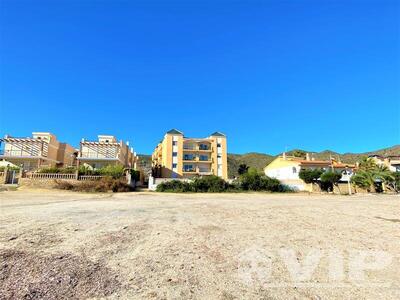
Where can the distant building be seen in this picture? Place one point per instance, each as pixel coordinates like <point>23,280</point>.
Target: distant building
<point>390,161</point>
<point>177,156</point>
<point>39,151</point>
<point>106,151</point>
<point>286,169</point>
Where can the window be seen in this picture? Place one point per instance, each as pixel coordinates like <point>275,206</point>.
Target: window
<point>188,168</point>
<point>294,170</point>
<point>174,153</point>
<point>188,157</point>
<point>203,147</point>
<point>204,157</point>
<point>174,143</point>
<point>174,166</point>
<point>219,155</point>
<point>219,145</point>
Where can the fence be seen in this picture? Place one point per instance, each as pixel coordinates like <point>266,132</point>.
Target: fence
<point>90,177</point>
<point>50,176</point>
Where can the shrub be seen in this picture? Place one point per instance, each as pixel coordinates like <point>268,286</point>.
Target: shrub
<point>176,186</point>
<point>212,184</point>
<point>310,176</point>
<point>11,168</point>
<point>115,171</point>
<point>329,179</point>
<point>250,181</point>
<point>51,170</point>
<point>254,181</point>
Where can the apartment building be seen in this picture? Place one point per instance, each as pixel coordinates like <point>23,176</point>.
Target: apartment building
<point>106,151</point>
<point>286,169</point>
<point>177,156</point>
<point>39,151</point>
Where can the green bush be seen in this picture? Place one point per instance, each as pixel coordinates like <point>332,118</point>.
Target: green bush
<point>254,181</point>
<point>116,171</point>
<point>174,186</point>
<point>309,175</point>
<point>51,170</point>
<point>11,168</point>
<point>212,184</point>
<point>250,181</point>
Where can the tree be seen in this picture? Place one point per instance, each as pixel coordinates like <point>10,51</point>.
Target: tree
<point>299,153</point>
<point>310,175</point>
<point>369,174</point>
<point>243,168</point>
<point>331,178</point>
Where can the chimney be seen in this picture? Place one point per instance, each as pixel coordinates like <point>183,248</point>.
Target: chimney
<point>284,155</point>
<point>307,156</point>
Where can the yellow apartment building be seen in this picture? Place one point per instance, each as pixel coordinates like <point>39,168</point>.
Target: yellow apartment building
<point>39,151</point>
<point>177,156</point>
<point>106,151</point>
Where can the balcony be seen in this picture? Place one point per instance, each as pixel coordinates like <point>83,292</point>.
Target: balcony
<point>22,153</point>
<point>97,155</point>
<point>197,170</point>
<point>195,147</point>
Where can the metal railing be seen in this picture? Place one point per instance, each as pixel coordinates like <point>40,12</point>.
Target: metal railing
<point>50,176</point>
<point>90,177</point>
<point>26,152</point>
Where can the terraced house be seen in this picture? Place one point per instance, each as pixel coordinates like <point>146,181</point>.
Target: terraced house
<point>106,151</point>
<point>39,151</point>
<point>177,156</point>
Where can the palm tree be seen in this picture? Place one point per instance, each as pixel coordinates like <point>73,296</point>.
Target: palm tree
<point>369,173</point>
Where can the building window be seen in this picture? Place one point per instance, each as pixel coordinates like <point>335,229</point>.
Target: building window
<point>188,168</point>
<point>218,145</point>
<point>188,157</point>
<point>219,155</point>
<point>203,147</point>
<point>174,166</point>
<point>294,170</point>
<point>174,143</point>
<point>174,153</point>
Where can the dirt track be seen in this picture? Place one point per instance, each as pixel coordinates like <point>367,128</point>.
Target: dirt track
<point>166,246</point>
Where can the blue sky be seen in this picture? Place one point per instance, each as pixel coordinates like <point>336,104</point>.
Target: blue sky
<point>303,74</point>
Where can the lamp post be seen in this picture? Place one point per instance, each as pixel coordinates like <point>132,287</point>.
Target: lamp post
<point>348,180</point>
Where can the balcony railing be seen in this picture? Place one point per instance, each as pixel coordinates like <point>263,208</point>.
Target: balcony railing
<point>98,155</point>
<point>197,170</point>
<point>27,152</point>
<point>196,148</point>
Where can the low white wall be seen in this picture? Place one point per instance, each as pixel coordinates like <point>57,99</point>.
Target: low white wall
<point>153,182</point>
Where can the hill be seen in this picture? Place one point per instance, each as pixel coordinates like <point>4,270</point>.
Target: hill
<point>255,160</point>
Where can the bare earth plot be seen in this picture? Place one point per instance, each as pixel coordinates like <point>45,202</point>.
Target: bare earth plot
<point>210,246</point>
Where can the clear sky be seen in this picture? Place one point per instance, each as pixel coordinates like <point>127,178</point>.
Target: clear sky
<point>270,74</point>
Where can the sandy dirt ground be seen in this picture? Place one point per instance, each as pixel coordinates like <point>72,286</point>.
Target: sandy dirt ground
<point>189,246</point>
